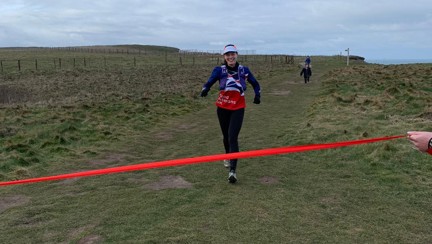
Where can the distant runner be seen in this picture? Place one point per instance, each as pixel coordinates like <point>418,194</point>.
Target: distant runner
<point>307,73</point>
<point>308,61</point>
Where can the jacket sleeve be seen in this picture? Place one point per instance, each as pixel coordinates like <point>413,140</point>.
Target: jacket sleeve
<point>253,81</point>
<point>215,76</point>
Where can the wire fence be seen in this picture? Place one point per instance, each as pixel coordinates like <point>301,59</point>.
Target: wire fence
<point>130,61</point>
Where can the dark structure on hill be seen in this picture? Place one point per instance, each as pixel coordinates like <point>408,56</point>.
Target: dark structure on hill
<point>354,57</point>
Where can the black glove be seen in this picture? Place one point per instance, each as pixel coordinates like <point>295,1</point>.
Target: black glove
<point>204,92</point>
<point>257,100</point>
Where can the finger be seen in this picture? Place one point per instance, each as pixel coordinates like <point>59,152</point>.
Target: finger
<point>413,139</point>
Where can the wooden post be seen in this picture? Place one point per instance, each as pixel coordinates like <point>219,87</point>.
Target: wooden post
<point>347,50</point>
<point>1,64</point>
<point>181,63</point>
<point>134,61</point>
<point>36,64</point>
<point>60,63</point>
<point>19,65</point>
<point>74,62</point>
<point>85,63</point>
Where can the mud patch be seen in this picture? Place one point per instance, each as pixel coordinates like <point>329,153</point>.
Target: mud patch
<point>268,180</point>
<point>169,182</point>
<point>12,201</point>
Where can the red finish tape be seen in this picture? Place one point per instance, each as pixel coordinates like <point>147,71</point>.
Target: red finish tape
<point>202,159</point>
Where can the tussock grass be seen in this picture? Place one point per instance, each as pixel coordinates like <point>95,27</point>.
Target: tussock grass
<point>71,121</point>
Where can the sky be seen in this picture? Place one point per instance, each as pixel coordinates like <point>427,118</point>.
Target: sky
<point>374,29</point>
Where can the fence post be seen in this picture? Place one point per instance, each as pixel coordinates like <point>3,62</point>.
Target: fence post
<point>134,61</point>
<point>36,64</point>
<point>85,63</point>
<point>1,64</point>
<point>19,65</point>
<point>181,63</point>
<point>60,63</point>
<point>193,60</point>
<point>74,62</point>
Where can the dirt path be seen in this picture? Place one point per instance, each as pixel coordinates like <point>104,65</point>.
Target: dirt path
<point>285,100</point>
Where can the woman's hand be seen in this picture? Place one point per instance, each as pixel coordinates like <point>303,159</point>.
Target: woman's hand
<point>421,140</point>
<point>204,92</point>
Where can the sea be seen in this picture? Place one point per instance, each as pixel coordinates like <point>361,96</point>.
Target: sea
<point>398,61</point>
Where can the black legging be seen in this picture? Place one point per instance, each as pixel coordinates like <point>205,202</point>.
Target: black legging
<point>231,122</point>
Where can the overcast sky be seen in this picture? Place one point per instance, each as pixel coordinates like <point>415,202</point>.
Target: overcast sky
<point>373,29</point>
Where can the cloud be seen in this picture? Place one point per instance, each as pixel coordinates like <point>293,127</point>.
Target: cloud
<point>274,26</point>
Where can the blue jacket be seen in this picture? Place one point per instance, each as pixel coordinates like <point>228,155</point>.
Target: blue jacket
<point>240,73</point>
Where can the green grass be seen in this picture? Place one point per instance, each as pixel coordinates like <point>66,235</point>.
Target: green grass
<point>377,193</point>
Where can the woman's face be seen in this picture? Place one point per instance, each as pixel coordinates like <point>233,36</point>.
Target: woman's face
<point>231,58</point>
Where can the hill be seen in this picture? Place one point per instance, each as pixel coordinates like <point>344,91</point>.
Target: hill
<point>133,48</point>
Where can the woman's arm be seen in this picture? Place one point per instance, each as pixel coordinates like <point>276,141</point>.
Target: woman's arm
<point>253,81</point>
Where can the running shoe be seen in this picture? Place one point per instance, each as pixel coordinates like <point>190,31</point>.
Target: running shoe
<point>232,177</point>
<point>227,163</point>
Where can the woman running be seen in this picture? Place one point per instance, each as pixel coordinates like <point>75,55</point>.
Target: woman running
<point>231,103</point>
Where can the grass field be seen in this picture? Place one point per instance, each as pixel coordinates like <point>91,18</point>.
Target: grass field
<point>74,120</point>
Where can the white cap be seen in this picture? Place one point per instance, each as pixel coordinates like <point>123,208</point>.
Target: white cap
<point>229,48</point>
